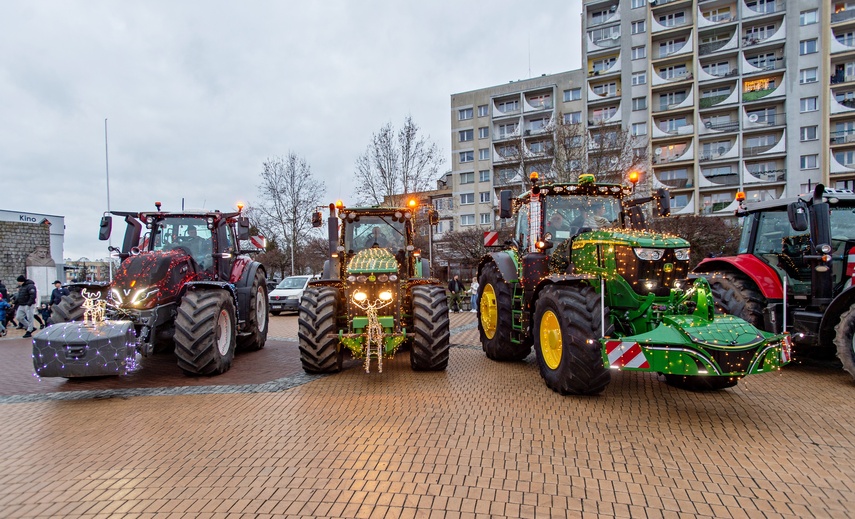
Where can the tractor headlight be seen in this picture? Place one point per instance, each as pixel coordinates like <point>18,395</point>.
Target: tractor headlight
<point>362,278</point>
<point>649,254</point>
<point>382,278</point>
<point>825,248</point>
<point>650,284</point>
<point>117,297</point>
<point>393,277</point>
<point>351,278</point>
<point>386,295</point>
<point>360,296</point>
<point>682,254</point>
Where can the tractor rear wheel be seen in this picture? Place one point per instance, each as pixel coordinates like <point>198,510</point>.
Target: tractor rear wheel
<point>700,382</point>
<point>319,351</point>
<point>205,332</point>
<point>736,294</point>
<point>70,308</point>
<point>495,316</point>
<point>844,340</point>
<point>257,322</point>
<point>431,329</point>
<point>567,331</point>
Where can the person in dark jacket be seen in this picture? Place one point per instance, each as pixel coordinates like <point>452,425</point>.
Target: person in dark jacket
<point>26,300</point>
<point>57,293</point>
<point>456,289</point>
<point>3,291</point>
<point>5,308</point>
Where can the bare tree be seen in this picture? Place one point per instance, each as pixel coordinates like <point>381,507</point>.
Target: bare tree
<point>289,194</point>
<point>466,247</point>
<point>708,236</point>
<point>606,151</point>
<point>396,163</point>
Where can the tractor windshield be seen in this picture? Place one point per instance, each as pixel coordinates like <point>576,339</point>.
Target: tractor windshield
<point>375,231</point>
<point>190,234</point>
<point>565,216</point>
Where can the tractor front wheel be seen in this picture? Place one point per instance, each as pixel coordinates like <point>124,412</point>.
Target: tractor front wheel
<point>70,308</point>
<point>431,329</point>
<point>319,351</point>
<point>736,294</point>
<point>844,340</point>
<point>567,330</point>
<point>257,322</point>
<point>205,332</point>
<point>495,316</point>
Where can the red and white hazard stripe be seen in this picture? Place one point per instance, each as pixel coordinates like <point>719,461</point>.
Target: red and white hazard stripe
<point>626,355</point>
<point>786,349</point>
<point>850,262</point>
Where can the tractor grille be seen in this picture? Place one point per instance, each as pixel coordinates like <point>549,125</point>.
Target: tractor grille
<point>733,361</point>
<point>650,276</point>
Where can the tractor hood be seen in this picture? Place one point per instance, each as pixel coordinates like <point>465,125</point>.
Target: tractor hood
<point>631,238</point>
<point>151,277</point>
<point>373,261</point>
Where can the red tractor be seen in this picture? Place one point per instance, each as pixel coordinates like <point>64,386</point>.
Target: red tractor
<point>185,285</point>
<point>794,271</point>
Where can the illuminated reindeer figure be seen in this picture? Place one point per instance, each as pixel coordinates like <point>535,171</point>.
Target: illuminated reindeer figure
<point>93,308</point>
<point>373,332</point>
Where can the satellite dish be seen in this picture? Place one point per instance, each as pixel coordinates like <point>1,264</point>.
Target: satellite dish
<point>753,118</point>
<point>615,36</point>
<point>721,150</point>
<point>657,151</point>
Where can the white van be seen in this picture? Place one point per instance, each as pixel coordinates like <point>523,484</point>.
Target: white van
<point>286,296</point>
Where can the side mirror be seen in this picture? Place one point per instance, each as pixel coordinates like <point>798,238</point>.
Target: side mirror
<point>797,213</point>
<point>664,198</point>
<point>317,219</point>
<point>106,228</point>
<point>243,228</point>
<point>505,207</point>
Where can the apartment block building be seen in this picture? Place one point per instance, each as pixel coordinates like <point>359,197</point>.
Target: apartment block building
<point>731,95</point>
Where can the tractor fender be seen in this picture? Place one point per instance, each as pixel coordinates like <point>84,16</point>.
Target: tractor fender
<point>243,288</point>
<point>239,269</point>
<point>564,279</point>
<point>223,285</point>
<point>506,264</point>
<point>764,276</point>
<point>831,316</point>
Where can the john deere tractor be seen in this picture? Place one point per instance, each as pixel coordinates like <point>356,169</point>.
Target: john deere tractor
<point>183,284</point>
<point>375,294</point>
<point>592,291</point>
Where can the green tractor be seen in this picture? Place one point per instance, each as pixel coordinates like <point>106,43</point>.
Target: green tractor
<point>375,295</point>
<point>592,291</point>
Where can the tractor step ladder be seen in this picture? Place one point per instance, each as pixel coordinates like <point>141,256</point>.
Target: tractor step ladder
<point>518,326</point>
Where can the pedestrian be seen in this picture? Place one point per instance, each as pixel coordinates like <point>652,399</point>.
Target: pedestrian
<point>26,300</point>
<point>456,289</point>
<point>57,293</point>
<point>37,316</point>
<point>5,308</point>
<point>3,291</point>
<point>10,315</point>
<point>44,312</point>
<point>473,295</point>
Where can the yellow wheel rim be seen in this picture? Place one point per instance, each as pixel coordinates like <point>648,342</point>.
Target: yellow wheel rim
<point>489,311</point>
<point>550,339</point>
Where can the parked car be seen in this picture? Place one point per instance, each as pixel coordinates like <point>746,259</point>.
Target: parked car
<point>286,296</point>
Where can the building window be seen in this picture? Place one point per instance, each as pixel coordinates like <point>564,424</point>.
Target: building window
<point>639,52</point>
<point>807,75</point>
<point>807,104</point>
<point>483,132</point>
<point>467,198</point>
<point>485,218</point>
<point>483,111</point>
<point>638,3</point>
<point>464,114</point>
<point>639,103</point>
<point>508,106</point>
<point>465,135</point>
<point>808,17</point>
<point>484,196</point>
<point>467,219</point>
<point>807,47</point>
<point>467,178</point>
<point>484,175</point>
<point>846,158</point>
<point>639,128</point>
<point>574,94</point>
<point>808,133</point>
<point>573,118</point>
<point>639,27</point>
<point>673,19</point>
<point>508,130</point>
<point>809,161</point>
<point>639,78</point>
<point>484,154</point>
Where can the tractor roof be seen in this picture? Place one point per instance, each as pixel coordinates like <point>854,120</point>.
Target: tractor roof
<point>581,189</point>
<point>159,215</point>
<point>834,196</point>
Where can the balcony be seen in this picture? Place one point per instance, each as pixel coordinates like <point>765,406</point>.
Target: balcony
<point>658,80</point>
<point>717,74</point>
<point>753,151</point>
<point>707,102</point>
<point>764,120</point>
<point>768,175</point>
<point>767,8</point>
<point>842,137</point>
<point>729,179</point>
<point>732,126</point>
<point>603,44</point>
<point>677,183</point>
<point>715,46</point>
<point>614,16</point>
<point>762,66</point>
<point>674,50</point>
<point>721,153</point>
<point>656,27</point>
<point>757,94</point>
<point>839,78</point>
<point>842,16</point>
<point>842,43</point>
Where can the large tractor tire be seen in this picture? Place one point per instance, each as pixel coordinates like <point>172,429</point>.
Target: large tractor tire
<point>319,351</point>
<point>567,332</point>
<point>844,340</point>
<point>495,317</point>
<point>205,332</point>
<point>70,308</point>
<point>258,322</point>
<point>736,294</point>
<point>431,329</point>
<point>700,382</point>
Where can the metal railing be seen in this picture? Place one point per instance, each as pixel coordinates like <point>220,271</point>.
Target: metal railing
<point>756,150</point>
<point>706,102</point>
<point>725,127</point>
<point>843,15</point>
<point>770,175</point>
<point>842,137</point>
<point>709,48</point>
<point>756,94</point>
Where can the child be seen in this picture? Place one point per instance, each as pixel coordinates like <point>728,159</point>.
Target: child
<point>4,309</point>
<point>45,312</point>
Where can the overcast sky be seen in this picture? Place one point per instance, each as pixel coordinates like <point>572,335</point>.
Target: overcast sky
<point>198,94</point>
